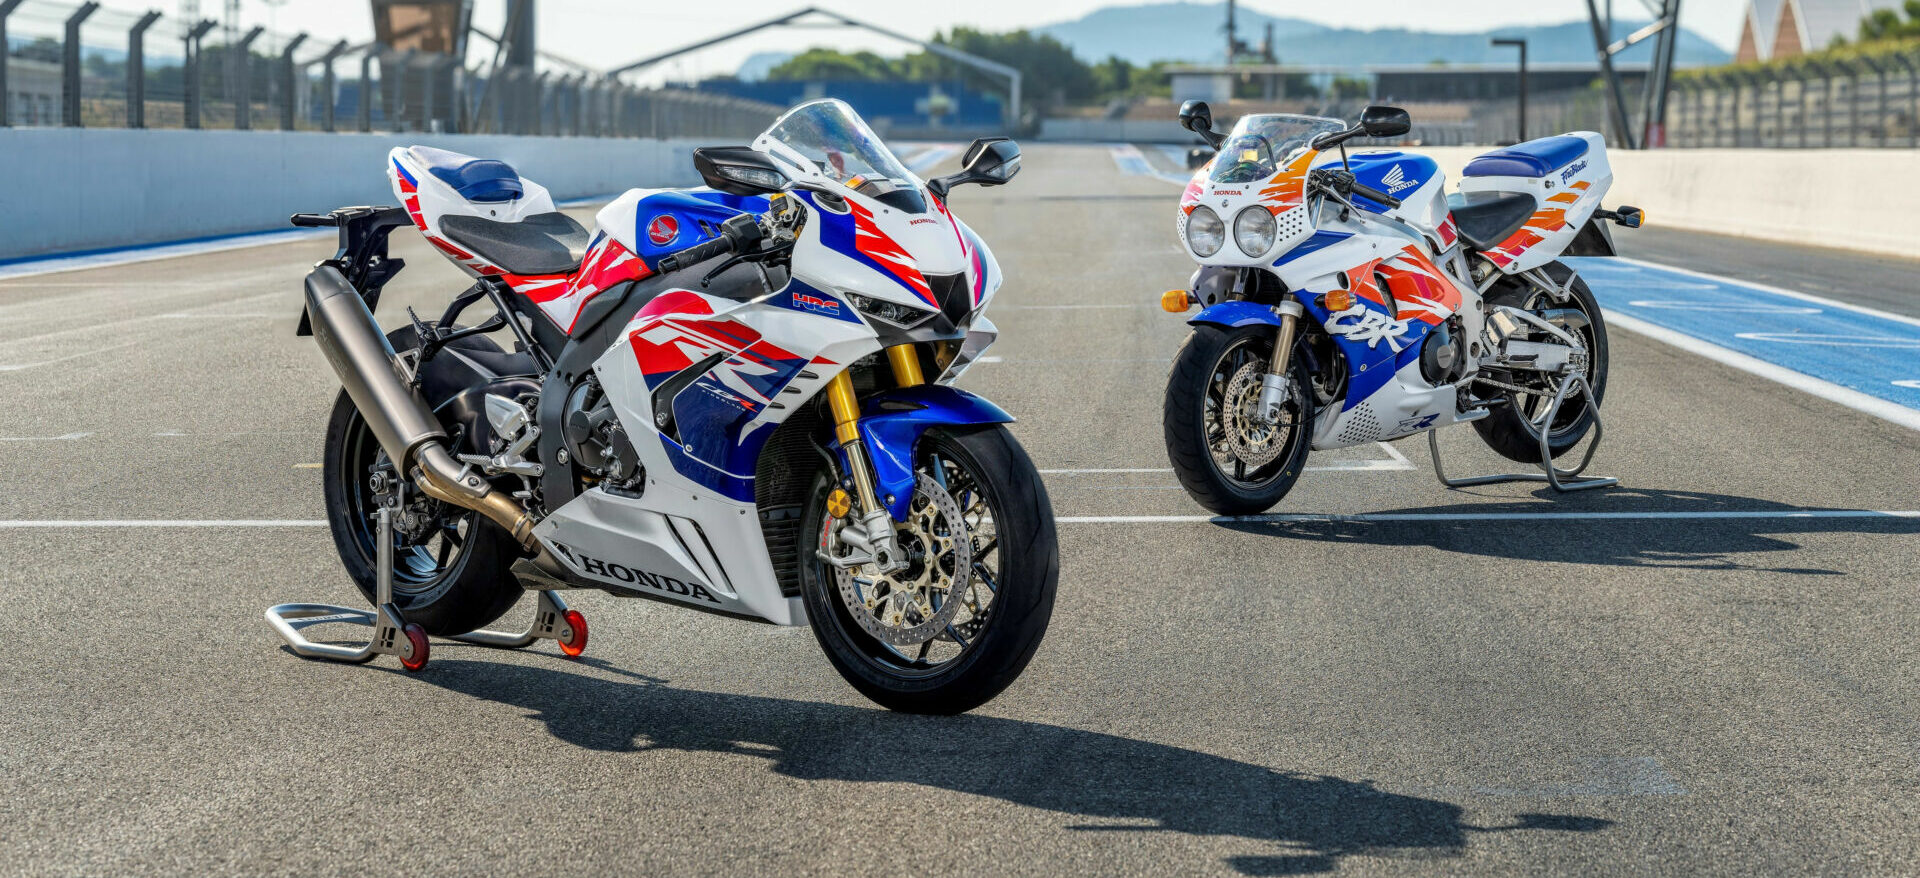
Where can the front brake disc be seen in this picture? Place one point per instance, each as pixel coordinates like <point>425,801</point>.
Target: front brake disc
<point>912,605</point>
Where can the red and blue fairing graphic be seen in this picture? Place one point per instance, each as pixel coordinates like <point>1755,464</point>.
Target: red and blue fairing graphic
<point>808,299</point>
<point>971,249</point>
<point>854,234</point>
<point>693,216</point>
<point>740,375</point>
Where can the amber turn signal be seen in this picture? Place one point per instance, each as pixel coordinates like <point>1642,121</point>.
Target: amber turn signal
<point>1338,300</point>
<point>839,504</point>
<point>1175,301</point>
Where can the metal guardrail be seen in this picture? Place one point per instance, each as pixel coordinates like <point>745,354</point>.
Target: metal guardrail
<point>86,66</point>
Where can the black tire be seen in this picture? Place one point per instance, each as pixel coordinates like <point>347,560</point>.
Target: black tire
<point>450,592</point>
<point>1025,550</point>
<point>1508,430</point>
<point>1189,428</point>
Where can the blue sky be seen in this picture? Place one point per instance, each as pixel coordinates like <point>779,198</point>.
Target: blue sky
<point>606,33</point>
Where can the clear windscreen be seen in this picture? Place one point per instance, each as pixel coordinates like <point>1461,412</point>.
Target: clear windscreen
<point>1260,144</point>
<point>838,143</point>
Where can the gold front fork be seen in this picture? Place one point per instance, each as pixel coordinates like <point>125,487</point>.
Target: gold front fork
<point>876,528</point>
<point>905,360</point>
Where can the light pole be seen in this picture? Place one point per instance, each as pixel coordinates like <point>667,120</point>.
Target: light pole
<point>1522,44</point>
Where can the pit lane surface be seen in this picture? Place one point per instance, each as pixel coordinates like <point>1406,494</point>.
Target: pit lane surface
<point>1709,682</point>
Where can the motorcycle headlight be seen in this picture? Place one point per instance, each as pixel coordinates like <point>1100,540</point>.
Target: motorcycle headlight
<point>1253,230</point>
<point>892,312</point>
<point>1205,231</point>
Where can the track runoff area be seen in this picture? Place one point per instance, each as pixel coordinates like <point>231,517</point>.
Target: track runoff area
<point>1711,669</point>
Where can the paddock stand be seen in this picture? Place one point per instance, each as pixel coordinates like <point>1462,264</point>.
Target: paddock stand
<point>393,635</point>
<point>1562,480</point>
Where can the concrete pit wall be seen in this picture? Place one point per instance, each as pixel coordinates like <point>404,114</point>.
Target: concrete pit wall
<point>71,190</point>
<point>1854,199</point>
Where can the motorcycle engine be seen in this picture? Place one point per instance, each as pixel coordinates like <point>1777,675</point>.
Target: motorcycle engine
<point>597,443</point>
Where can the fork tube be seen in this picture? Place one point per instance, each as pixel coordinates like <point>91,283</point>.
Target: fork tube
<point>905,360</point>
<point>846,421</point>
<point>1273,386</point>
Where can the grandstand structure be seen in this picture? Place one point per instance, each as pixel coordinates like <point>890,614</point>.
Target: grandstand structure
<point>1775,29</point>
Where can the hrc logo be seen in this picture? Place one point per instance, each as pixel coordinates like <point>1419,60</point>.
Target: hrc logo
<point>815,303</point>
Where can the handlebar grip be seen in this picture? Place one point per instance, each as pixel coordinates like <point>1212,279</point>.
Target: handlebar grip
<point>696,254</point>
<point>313,220</point>
<point>1368,192</point>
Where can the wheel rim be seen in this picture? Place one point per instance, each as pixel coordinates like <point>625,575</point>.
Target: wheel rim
<point>1532,407</point>
<point>429,540</point>
<point>965,555</point>
<point>1244,452</point>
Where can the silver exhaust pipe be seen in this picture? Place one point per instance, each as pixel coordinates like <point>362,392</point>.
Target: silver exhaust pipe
<point>403,424</point>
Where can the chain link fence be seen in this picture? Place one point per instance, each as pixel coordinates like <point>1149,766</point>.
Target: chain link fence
<point>1866,101</point>
<point>82,65</point>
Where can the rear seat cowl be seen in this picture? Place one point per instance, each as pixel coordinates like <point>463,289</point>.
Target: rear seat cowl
<point>1535,158</point>
<point>486,181</point>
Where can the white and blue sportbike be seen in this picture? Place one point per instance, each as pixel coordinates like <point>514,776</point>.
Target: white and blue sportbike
<point>1349,300</point>
<point>734,399</point>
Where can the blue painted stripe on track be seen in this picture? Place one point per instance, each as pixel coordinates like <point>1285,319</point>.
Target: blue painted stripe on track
<point>1874,353</point>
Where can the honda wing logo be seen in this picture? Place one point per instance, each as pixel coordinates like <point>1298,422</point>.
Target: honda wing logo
<point>1396,179</point>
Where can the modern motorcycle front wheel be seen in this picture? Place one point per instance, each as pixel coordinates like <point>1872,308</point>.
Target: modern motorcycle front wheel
<point>1229,462</point>
<point>960,623</point>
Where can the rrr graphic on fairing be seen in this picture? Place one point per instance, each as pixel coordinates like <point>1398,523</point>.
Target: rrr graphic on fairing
<point>736,399</point>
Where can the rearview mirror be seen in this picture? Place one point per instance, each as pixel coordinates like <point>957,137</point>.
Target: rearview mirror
<point>1383,121</point>
<point>1197,117</point>
<point>989,161</point>
<point>738,170</point>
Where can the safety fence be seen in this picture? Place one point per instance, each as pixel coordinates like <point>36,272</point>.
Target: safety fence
<point>88,66</point>
<point>1864,101</point>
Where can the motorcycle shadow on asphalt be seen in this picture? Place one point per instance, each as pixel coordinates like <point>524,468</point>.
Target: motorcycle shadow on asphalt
<point>1118,784</point>
<point>1688,543</point>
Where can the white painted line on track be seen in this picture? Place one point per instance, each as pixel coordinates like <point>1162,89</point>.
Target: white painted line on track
<point>66,438</point>
<point>1778,291</point>
<point>130,321</point>
<point>1826,390</point>
<point>83,262</point>
<point>17,367</point>
<point>18,524</point>
<point>1382,517</point>
<point>1913,384</point>
<point>1132,162</point>
<point>1397,462</point>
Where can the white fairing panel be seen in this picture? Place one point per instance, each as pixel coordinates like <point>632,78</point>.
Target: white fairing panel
<point>696,523</point>
<point>1564,199</point>
<point>428,199</point>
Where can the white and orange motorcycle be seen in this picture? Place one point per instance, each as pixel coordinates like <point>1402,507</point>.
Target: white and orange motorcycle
<point>1347,299</point>
<point>734,399</point>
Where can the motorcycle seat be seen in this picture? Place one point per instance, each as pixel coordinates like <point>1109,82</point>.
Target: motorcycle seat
<point>545,243</point>
<point>486,181</point>
<point>1535,158</point>
<point>1487,218</point>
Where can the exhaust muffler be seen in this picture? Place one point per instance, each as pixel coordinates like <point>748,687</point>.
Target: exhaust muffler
<point>401,421</point>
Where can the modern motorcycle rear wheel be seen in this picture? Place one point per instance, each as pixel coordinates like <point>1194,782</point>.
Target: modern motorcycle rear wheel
<point>451,574</point>
<point>1513,430</point>
<point>1015,565</point>
<point>1193,419</point>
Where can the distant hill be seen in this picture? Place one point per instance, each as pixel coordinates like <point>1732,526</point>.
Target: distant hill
<point>1191,32</point>
<point>759,64</point>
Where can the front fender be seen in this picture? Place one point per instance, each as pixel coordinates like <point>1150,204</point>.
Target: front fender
<point>892,421</point>
<point>1237,313</point>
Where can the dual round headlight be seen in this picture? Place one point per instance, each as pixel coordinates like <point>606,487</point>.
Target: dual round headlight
<point>1253,231</point>
<point>1205,231</point>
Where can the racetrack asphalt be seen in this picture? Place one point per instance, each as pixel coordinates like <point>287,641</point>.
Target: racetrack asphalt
<point>1679,676</point>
